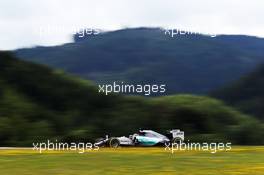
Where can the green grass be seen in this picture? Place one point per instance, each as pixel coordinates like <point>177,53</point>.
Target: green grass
<point>240,161</point>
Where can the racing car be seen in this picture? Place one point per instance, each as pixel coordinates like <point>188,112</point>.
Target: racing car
<point>142,138</point>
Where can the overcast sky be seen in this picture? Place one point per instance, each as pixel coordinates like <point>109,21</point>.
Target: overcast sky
<point>26,23</point>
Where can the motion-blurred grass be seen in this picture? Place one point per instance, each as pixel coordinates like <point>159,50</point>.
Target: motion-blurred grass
<point>240,160</point>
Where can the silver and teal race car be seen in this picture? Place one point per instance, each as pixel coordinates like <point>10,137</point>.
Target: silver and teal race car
<point>142,138</point>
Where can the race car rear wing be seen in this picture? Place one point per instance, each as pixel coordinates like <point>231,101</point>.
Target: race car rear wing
<point>176,133</point>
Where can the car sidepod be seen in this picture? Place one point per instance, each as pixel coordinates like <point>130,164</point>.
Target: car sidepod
<point>148,141</point>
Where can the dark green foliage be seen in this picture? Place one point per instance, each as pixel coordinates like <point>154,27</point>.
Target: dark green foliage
<point>247,94</point>
<point>38,103</point>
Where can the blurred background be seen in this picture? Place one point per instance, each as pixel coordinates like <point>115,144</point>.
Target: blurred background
<point>50,69</point>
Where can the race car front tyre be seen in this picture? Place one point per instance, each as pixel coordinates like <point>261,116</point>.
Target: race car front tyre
<point>114,143</point>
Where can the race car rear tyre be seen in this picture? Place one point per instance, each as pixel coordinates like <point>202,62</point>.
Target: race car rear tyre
<point>114,143</point>
<point>176,140</point>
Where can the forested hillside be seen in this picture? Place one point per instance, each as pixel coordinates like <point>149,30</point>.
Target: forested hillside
<point>192,63</point>
<point>38,103</point>
<point>246,94</point>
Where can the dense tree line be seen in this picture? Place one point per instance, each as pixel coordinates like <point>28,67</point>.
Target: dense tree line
<point>38,103</point>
